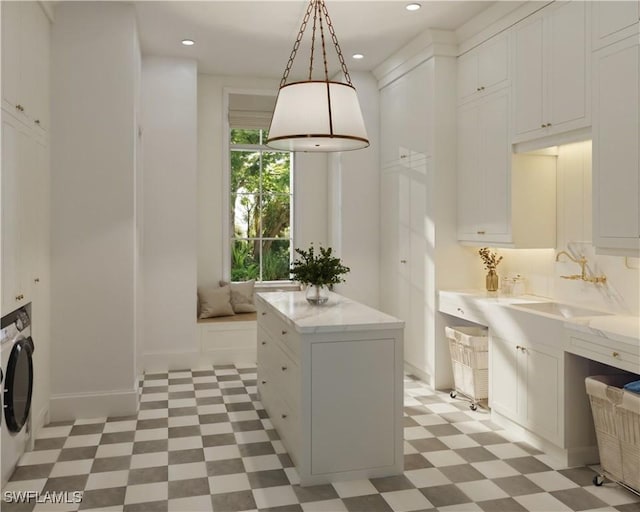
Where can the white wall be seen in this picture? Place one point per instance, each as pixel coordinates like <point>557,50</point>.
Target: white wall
<point>93,211</point>
<point>169,256</point>
<point>310,177</point>
<point>543,274</point>
<point>354,202</point>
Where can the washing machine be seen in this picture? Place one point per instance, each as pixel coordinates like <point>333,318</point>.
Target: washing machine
<point>17,349</point>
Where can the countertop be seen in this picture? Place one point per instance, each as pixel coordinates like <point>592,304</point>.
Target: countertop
<point>339,314</point>
<point>623,328</point>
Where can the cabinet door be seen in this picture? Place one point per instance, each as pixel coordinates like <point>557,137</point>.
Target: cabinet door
<point>503,376</point>
<point>613,21</point>
<point>493,63</point>
<point>10,54</point>
<point>616,138</point>
<point>483,69</point>
<point>567,104</point>
<point>494,216</point>
<point>37,65</point>
<point>539,399</point>
<point>389,252</point>
<point>470,179</point>
<point>393,99</point>
<point>416,128</point>
<point>16,156</point>
<point>528,77</point>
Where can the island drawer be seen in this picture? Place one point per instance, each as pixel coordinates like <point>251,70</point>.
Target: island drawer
<point>279,329</point>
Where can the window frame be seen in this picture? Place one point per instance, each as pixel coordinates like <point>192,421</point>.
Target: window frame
<point>227,222</point>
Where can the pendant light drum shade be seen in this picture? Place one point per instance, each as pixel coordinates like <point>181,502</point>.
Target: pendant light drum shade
<point>317,116</point>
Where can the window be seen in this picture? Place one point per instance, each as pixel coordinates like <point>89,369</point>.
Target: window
<point>261,203</point>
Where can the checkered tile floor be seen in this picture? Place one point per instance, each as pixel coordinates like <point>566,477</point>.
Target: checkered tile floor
<point>202,441</point>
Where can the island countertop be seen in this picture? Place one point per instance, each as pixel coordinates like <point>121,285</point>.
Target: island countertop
<point>339,314</point>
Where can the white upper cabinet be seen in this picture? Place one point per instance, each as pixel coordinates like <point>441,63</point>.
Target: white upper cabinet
<point>551,56</point>
<point>616,139</point>
<point>405,111</point>
<point>25,62</point>
<point>613,21</point>
<point>503,199</point>
<point>483,69</point>
<point>484,165</point>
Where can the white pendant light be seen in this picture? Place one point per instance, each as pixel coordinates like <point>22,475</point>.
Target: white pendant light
<point>317,115</point>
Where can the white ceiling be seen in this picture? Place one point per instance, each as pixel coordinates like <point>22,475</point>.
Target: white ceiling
<point>255,37</point>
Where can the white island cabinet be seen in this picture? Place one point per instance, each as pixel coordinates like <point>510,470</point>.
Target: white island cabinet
<point>330,378</point>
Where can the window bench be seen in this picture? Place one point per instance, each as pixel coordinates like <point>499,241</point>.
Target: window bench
<point>229,339</point>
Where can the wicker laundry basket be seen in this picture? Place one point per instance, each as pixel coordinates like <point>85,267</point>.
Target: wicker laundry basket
<point>469,348</point>
<point>616,416</point>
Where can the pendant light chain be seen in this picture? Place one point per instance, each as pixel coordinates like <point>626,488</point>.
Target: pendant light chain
<point>335,43</point>
<point>296,45</point>
<point>324,50</point>
<point>318,7</point>
<point>313,41</point>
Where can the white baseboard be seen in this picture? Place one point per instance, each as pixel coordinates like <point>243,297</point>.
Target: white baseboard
<point>565,457</point>
<point>93,405</point>
<point>409,369</point>
<point>39,419</point>
<point>166,361</point>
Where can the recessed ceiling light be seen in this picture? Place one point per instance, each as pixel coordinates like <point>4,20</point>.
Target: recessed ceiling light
<point>412,7</point>
<point>357,56</point>
<point>188,42</point>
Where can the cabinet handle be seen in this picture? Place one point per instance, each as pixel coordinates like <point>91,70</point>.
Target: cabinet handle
<point>477,89</point>
<point>615,354</point>
<point>263,343</point>
<point>264,381</point>
<point>19,108</point>
<point>283,416</point>
<point>482,88</point>
<point>548,125</point>
<point>403,156</point>
<point>284,332</point>
<point>19,297</point>
<point>263,313</point>
<point>37,121</point>
<point>543,125</point>
<point>481,232</point>
<point>403,261</point>
<point>284,368</point>
<point>460,310</point>
<point>36,280</point>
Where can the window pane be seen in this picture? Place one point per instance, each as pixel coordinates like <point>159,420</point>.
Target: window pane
<point>276,172</point>
<point>276,216</point>
<point>245,215</point>
<point>245,172</point>
<point>275,260</point>
<point>245,136</point>
<point>244,260</point>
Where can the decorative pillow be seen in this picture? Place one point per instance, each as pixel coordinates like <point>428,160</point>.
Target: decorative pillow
<point>242,296</point>
<point>215,301</point>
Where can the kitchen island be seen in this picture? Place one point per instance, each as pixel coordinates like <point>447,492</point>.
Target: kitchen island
<point>331,380</point>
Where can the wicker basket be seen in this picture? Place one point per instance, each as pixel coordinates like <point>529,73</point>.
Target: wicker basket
<point>469,348</point>
<point>616,416</point>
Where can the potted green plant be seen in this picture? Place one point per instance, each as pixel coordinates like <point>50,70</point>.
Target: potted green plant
<point>319,272</point>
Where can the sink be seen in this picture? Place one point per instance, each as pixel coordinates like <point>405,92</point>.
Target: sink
<point>560,310</point>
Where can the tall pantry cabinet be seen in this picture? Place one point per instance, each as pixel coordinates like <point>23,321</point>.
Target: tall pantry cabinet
<point>419,253</point>
<point>24,203</point>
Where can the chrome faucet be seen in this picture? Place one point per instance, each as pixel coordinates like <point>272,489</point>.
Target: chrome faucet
<point>582,261</point>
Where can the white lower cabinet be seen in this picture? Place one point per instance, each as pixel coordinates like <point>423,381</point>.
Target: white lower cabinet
<point>525,385</point>
<point>335,398</point>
